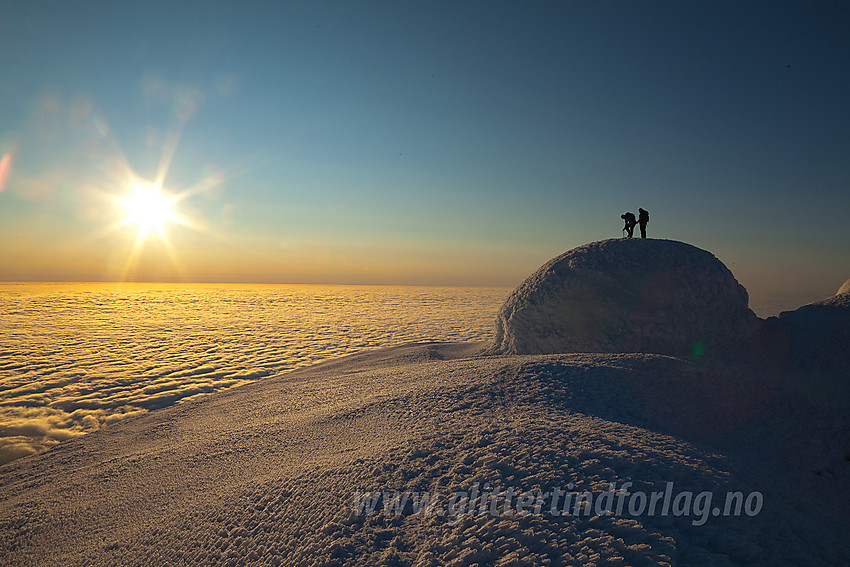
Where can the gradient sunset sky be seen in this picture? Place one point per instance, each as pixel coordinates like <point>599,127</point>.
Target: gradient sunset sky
<point>458,143</point>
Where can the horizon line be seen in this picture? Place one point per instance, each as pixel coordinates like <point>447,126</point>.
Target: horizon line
<point>248,283</point>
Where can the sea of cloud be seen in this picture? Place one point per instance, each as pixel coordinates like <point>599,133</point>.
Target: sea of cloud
<point>76,357</point>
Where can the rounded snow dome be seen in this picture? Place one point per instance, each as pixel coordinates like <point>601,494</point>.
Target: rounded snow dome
<point>634,295</point>
<point>844,289</point>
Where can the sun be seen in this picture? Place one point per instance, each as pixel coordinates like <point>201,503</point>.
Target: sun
<point>149,208</point>
<point>148,218</point>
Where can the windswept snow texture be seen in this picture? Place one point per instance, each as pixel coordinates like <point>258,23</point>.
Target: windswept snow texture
<point>267,474</point>
<point>637,295</point>
<point>76,357</point>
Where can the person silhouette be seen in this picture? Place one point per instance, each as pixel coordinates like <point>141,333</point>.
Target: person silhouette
<point>643,218</point>
<point>630,223</point>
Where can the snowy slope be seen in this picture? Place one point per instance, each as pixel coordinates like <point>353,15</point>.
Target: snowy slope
<point>266,474</point>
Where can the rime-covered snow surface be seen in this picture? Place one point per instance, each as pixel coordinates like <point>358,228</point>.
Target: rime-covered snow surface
<point>269,473</point>
<point>626,295</point>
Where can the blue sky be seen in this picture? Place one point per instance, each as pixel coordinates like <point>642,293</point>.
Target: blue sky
<point>414,142</point>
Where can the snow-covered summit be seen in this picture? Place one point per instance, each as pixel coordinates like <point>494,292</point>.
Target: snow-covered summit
<point>637,295</point>
<point>844,289</point>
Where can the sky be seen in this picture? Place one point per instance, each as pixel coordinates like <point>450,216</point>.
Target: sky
<point>436,143</point>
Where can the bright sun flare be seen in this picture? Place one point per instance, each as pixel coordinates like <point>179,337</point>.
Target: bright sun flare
<point>149,208</point>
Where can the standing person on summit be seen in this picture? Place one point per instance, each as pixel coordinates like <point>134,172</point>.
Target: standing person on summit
<point>643,218</point>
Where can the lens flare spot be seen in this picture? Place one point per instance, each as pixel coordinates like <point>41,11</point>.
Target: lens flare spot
<point>699,350</point>
<point>5,168</point>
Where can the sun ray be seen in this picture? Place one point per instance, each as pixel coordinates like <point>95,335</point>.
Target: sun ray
<point>169,149</point>
<point>132,257</point>
<point>211,181</point>
<point>176,263</point>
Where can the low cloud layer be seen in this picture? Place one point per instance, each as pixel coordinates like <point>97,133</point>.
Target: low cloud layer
<point>77,357</point>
